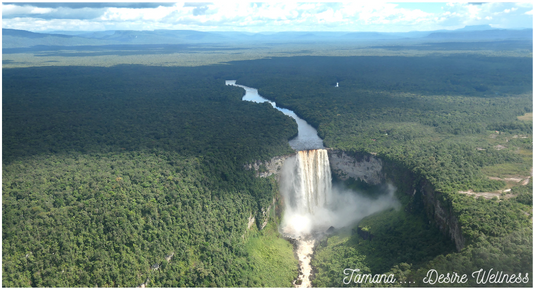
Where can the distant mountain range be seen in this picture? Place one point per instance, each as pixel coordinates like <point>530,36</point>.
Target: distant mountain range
<point>12,38</point>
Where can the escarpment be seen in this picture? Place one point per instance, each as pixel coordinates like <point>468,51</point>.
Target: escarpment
<point>442,213</point>
<point>363,167</point>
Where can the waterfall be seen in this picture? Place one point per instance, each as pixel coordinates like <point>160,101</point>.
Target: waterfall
<point>306,187</point>
<point>313,180</point>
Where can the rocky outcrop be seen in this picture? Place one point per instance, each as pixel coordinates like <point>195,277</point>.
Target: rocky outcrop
<point>364,167</point>
<point>265,169</point>
<point>265,214</point>
<point>365,233</point>
<point>143,285</point>
<point>168,257</point>
<point>262,217</point>
<point>251,221</point>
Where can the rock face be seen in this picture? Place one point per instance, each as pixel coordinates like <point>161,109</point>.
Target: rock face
<point>251,221</point>
<point>262,218</point>
<point>442,214</point>
<point>365,234</point>
<point>367,168</point>
<point>267,168</point>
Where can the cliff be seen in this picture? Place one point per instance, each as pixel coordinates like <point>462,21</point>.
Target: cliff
<point>373,170</point>
<point>265,169</point>
<point>362,167</point>
<point>441,214</point>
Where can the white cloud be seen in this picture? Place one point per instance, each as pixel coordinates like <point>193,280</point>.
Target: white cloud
<point>37,24</point>
<point>11,9</point>
<point>269,16</point>
<point>496,14</point>
<point>152,14</point>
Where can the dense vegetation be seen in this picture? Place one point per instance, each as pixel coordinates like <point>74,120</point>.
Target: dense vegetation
<point>110,171</point>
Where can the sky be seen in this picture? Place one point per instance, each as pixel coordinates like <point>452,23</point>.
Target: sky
<point>265,16</point>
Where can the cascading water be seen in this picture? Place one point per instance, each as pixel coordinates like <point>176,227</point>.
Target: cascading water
<point>306,187</point>
<point>306,182</point>
<point>313,186</point>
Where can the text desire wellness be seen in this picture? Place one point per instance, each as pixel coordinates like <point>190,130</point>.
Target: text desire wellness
<point>481,276</point>
<point>433,277</point>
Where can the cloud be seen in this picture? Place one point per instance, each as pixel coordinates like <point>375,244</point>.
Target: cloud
<point>78,5</point>
<point>12,11</point>
<point>199,10</point>
<point>498,15</point>
<point>31,24</point>
<point>130,14</point>
<point>267,16</point>
<point>196,4</point>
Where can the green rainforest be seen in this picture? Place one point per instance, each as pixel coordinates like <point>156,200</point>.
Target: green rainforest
<point>134,174</point>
